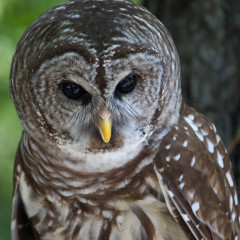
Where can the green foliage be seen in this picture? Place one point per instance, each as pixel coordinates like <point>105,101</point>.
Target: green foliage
<point>15,17</point>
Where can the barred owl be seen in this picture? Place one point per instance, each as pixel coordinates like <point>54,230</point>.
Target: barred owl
<point>109,150</point>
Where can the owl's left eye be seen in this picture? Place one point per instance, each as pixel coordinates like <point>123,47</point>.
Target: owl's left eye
<point>72,90</point>
<point>127,84</point>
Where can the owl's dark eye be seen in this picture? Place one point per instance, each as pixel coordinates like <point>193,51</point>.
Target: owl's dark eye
<point>72,90</point>
<point>127,84</point>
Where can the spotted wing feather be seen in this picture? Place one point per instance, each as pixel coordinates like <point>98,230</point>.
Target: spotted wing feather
<point>195,171</point>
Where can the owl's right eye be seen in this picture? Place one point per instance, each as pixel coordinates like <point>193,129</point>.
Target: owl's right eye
<point>72,90</point>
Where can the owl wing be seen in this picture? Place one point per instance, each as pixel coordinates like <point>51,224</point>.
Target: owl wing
<point>195,175</point>
<point>20,227</point>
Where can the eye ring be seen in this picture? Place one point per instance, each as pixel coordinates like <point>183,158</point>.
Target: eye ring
<point>127,84</point>
<point>72,90</point>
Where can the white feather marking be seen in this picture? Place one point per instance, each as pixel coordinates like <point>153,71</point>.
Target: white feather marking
<point>68,30</point>
<point>119,220</point>
<point>220,159</point>
<point>233,217</point>
<point>235,198</point>
<point>107,214</point>
<point>158,174</point>
<point>60,8</point>
<point>185,217</point>
<point>51,214</point>
<point>97,211</point>
<point>231,203</point>
<point>13,224</point>
<point>50,223</point>
<point>180,178</point>
<point>181,185</point>
<point>52,198</point>
<point>66,193</point>
<point>193,161</point>
<point>185,143</point>
<point>199,125</point>
<point>168,146</point>
<point>167,159</point>
<point>64,210</point>
<point>214,128</point>
<point>200,136</point>
<point>89,190</point>
<point>163,134</point>
<point>173,66</point>
<point>105,224</point>
<point>74,15</point>
<point>123,184</point>
<point>34,147</point>
<point>191,124</point>
<point>166,50</point>
<point>195,207</point>
<point>143,164</point>
<point>225,150</point>
<point>210,145</point>
<point>229,178</point>
<point>215,190</point>
<point>18,168</point>
<point>177,157</point>
<point>191,117</point>
<point>204,133</point>
<point>170,193</point>
<point>218,139</point>
<point>191,195</point>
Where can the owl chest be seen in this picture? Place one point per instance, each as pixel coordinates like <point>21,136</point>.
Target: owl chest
<point>143,219</point>
<point>146,217</point>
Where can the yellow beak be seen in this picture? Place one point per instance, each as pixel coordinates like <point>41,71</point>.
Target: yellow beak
<point>105,125</point>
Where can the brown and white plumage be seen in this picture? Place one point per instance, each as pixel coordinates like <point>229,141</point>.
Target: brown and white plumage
<point>109,150</point>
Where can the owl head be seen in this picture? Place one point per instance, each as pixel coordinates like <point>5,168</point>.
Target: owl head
<point>96,74</point>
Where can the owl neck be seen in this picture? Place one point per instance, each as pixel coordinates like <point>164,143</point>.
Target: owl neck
<point>52,171</point>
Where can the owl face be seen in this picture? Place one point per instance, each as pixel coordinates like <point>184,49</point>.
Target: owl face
<point>98,88</point>
<point>71,95</point>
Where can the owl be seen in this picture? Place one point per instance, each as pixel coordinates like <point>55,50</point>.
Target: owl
<point>109,149</point>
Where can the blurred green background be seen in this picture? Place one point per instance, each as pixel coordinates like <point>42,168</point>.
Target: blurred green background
<point>15,17</point>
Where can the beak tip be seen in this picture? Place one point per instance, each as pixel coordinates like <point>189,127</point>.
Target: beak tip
<point>104,127</point>
<point>105,137</point>
<point>106,140</point>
